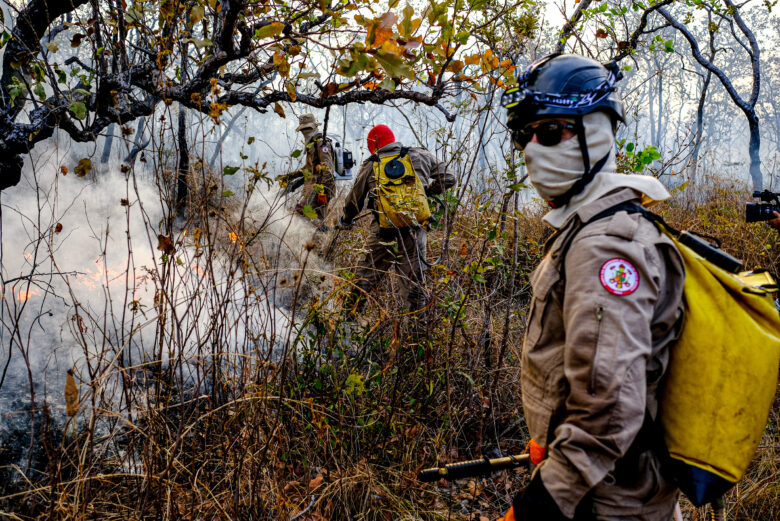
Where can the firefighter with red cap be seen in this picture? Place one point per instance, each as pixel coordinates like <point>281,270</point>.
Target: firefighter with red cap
<point>396,181</point>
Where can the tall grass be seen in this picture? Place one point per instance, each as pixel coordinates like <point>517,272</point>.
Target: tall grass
<point>239,388</point>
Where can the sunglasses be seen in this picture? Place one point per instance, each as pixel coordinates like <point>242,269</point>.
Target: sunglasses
<point>548,133</point>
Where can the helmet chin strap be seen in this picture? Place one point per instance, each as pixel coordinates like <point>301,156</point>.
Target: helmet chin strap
<point>588,172</point>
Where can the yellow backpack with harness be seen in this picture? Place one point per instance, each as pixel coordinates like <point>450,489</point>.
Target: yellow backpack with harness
<point>722,375</point>
<point>400,195</point>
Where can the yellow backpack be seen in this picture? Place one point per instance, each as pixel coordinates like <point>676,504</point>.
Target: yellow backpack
<point>722,375</point>
<point>400,195</point>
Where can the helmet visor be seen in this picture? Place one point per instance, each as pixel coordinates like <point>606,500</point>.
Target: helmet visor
<point>576,102</point>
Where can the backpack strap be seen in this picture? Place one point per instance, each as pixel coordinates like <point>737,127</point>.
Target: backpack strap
<point>628,206</point>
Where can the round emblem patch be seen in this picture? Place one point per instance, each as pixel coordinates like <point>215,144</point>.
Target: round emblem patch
<point>618,276</point>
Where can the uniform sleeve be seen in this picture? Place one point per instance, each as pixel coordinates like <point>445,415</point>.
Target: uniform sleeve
<point>440,177</point>
<point>612,287</point>
<point>357,195</point>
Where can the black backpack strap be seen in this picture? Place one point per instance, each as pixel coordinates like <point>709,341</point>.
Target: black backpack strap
<point>404,151</point>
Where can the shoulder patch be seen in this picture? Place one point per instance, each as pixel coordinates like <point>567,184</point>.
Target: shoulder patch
<point>619,277</point>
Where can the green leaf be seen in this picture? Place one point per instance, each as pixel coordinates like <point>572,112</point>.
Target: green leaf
<point>629,147</point>
<point>229,170</point>
<point>197,13</point>
<point>79,110</point>
<point>227,193</point>
<point>394,65</point>
<point>269,31</point>
<point>201,43</point>
<point>387,84</point>
<point>462,37</point>
<point>296,153</point>
<point>516,187</point>
<point>40,91</point>
<point>309,212</point>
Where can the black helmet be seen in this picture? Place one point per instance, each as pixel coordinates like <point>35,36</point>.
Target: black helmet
<point>565,85</point>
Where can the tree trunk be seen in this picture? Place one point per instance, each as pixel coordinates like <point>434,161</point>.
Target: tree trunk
<point>184,163</point>
<point>754,147</point>
<point>699,125</point>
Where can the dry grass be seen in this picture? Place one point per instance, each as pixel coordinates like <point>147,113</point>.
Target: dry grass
<point>332,419</point>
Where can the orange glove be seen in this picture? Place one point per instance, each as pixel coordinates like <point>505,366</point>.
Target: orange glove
<point>509,516</point>
<point>536,451</point>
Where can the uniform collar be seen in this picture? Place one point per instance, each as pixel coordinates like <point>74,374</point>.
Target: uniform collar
<point>392,148</point>
<point>621,195</point>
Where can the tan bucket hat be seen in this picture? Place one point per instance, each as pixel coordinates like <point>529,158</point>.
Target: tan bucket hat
<point>306,121</point>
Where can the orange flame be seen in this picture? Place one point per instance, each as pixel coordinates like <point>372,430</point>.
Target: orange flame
<point>23,295</point>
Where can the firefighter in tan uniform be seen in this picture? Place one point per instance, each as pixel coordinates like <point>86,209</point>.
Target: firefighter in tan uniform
<point>607,305</point>
<point>319,183</point>
<point>403,247</point>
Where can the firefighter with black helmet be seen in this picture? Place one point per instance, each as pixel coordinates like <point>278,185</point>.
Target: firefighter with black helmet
<point>607,305</point>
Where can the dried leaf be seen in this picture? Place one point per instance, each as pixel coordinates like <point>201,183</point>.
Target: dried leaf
<point>71,394</point>
<point>279,110</point>
<point>291,485</point>
<point>165,244</point>
<point>76,40</point>
<point>58,228</point>
<point>316,482</point>
<point>290,86</point>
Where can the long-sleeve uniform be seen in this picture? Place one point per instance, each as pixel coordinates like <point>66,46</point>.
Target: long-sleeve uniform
<point>318,174</point>
<point>596,346</point>
<point>403,247</point>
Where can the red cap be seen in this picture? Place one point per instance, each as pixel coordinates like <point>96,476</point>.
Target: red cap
<point>379,136</point>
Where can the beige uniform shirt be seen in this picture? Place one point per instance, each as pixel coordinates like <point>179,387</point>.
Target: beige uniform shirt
<point>433,173</point>
<point>319,168</point>
<point>595,349</point>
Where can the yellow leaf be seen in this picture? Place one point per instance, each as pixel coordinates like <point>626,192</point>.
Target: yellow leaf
<point>473,59</point>
<point>271,30</point>
<point>71,394</point>
<point>83,168</point>
<point>279,110</point>
<point>290,86</point>
<point>391,46</point>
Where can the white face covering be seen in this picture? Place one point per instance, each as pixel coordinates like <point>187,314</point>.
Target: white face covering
<point>553,170</point>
